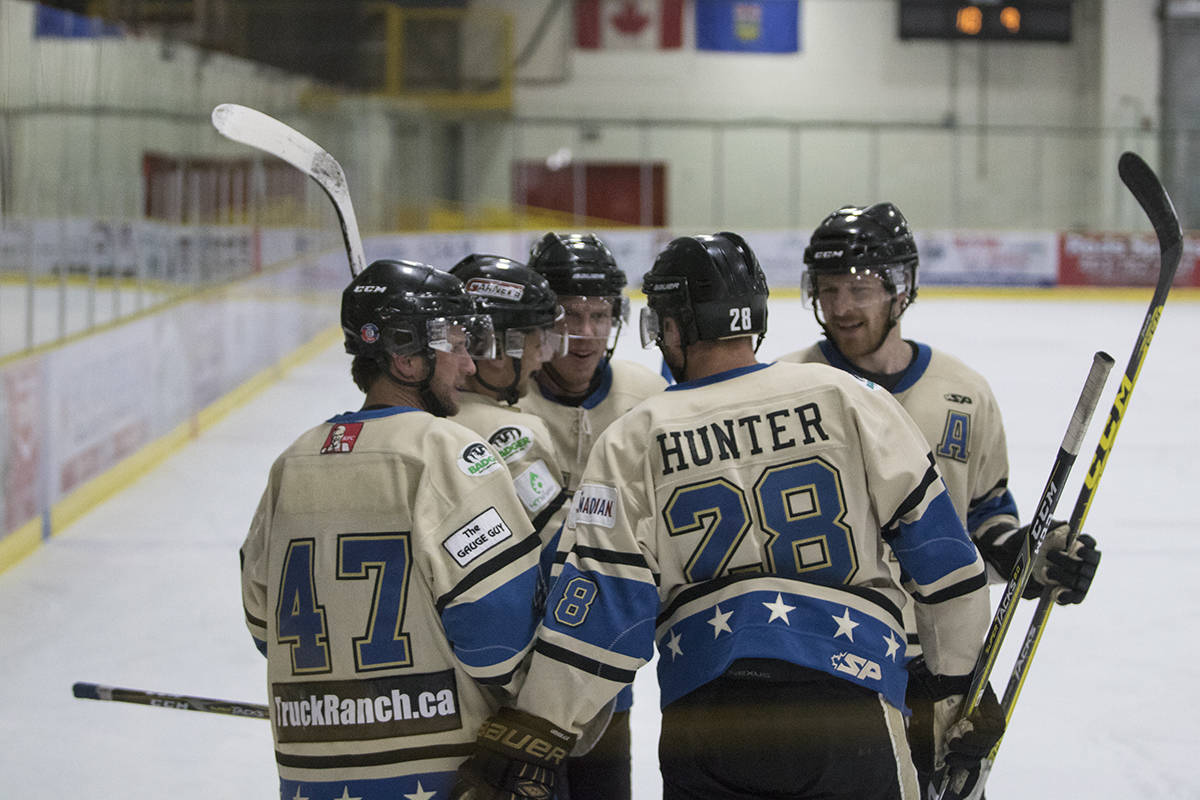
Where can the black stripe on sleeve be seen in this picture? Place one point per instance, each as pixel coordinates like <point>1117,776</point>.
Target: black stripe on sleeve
<point>915,497</point>
<point>611,557</point>
<point>583,663</point>
<point>546,513</point>
<point>957,590</point>
<point>488,568</point>
<point>253,620</point>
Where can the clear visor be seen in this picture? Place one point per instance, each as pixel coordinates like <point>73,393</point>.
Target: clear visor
<point>595,318</point>
<point>860,287</point>
<point>470,335</point>
<point>541,344</point>
<point>649,327</point>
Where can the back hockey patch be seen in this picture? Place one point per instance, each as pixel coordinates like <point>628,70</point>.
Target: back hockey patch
<point>342,437</point>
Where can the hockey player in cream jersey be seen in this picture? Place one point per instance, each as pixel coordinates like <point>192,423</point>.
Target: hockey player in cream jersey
<point>390,571</point>
<point>861,276</point>
<point>739,521</point>
<point>528,325</point>
<point>581,392</point>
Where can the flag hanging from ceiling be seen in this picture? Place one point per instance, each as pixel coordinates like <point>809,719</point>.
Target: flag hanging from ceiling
<point>748,26</point>
<point>629,24</point>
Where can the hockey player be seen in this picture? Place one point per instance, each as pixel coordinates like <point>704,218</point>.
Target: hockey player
<point>528,325</point>
<point>861,276</point>
<point>739,521</point>
<point>389,578</point>
<point>579,394</point>
<point>582,392</point>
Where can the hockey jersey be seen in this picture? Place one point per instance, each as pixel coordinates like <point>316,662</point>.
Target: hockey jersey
<point>389,576</point>
<point>575,428</point>
<point>745,516</point>
<point>958,415</point>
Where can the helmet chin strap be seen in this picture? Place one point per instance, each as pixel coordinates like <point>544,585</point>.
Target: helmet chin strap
<point>433,404</point>
<point>506,393</point>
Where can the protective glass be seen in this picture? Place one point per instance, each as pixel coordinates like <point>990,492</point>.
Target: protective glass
<point>593,317</point>
<point>649,327</point>
<point>470,335</point>
<point>860,287</point>
<point>544,343</point>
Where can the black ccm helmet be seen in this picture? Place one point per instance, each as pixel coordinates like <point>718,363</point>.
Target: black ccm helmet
<point>406,308</point>
<point>856,240</point>
<point>713,286</point>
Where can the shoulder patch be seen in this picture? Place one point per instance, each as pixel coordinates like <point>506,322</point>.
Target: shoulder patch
<point>536,486</point>
<point>477,537</point>
<point>511,442</point>
<point>476,459</point>
<point>870,384</point>
<point>342,437</point>
<point>595,504</point>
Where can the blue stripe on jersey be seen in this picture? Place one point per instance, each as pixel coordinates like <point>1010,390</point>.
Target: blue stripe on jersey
<point>622,623</point>
<point>720,376</point>
<point>425,784</point>
<point>375,413</point>
<point>934,546</point>
<point>260,644</point>
<point>510,625</point>
<point>912,373</point>
<point>805,630</point>
<point>624,699</point>
<point>980,513</point>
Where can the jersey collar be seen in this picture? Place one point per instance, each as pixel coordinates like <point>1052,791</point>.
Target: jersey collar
<point>717,378</point>
<point>912,373</point>
<point>374,413</point>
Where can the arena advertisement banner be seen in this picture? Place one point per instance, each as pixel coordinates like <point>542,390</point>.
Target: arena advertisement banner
<point>987,258</point>
<point>22,442</point>
<point>1121,259</point>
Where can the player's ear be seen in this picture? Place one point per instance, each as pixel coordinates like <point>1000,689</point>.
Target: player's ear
<point>409,368</point>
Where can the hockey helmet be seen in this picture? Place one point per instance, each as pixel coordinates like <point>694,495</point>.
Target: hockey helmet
<point>713,286</point>
<point>864,241</point>
<point>518,299</point>
<point>580,265</point>
<point>406,308</point>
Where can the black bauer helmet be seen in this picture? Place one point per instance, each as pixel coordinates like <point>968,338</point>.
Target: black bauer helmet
<point>577,264</point>
<point>517,298</point>
<point>713,286</point>
<point>406,308</point>
<point>871,240</point>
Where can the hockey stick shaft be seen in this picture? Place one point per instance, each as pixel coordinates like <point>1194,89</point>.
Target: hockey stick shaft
<point>949,784</point>
<point>1145,186</point>
<point>256,129</point>
<point>95,691</point>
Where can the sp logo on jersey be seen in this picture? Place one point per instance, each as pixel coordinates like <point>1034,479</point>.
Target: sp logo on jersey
<point>857,666</point>
<point>342,437</point>
<point>476,460</point>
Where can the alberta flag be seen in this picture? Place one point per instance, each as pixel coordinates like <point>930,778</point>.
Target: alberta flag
<point>748,26</point>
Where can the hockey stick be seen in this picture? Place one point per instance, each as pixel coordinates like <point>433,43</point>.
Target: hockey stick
<point>248,126</point>
<point>1154,200</point>
<point>95,691</point>
<point>949,784</point>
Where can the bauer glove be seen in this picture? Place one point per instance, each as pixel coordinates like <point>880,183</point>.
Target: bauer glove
<point>517,755</point>
<point>1069,571</point>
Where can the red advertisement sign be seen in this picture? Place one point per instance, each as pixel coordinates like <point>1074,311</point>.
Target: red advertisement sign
<point>1120,259</point>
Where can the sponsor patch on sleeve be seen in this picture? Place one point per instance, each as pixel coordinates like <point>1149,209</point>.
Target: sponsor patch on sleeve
<point>595,504</point>
<point>511,442</point>
<point>342,437</point>
<point>477,537</point>
<point>536,486</point>
<point>476,459</point>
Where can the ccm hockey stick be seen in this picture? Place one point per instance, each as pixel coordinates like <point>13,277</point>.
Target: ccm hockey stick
<point>949,784</point>
<point>248,126</point>
<point>95,691</point>
<point>1154,200</point>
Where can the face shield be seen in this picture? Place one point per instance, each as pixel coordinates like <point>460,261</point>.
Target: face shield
<point>595,318</point>
<point>541,344</point>
<point>857,288</point>
<point>650,327</point>
<point>470,335</point>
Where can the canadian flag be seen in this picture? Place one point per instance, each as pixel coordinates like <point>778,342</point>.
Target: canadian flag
<point>628,24</point>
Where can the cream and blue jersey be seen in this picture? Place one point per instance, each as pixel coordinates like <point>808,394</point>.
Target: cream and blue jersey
<point>749,515</point>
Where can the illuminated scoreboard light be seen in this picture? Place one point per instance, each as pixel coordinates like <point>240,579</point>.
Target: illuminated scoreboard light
<point>1027,20</point>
